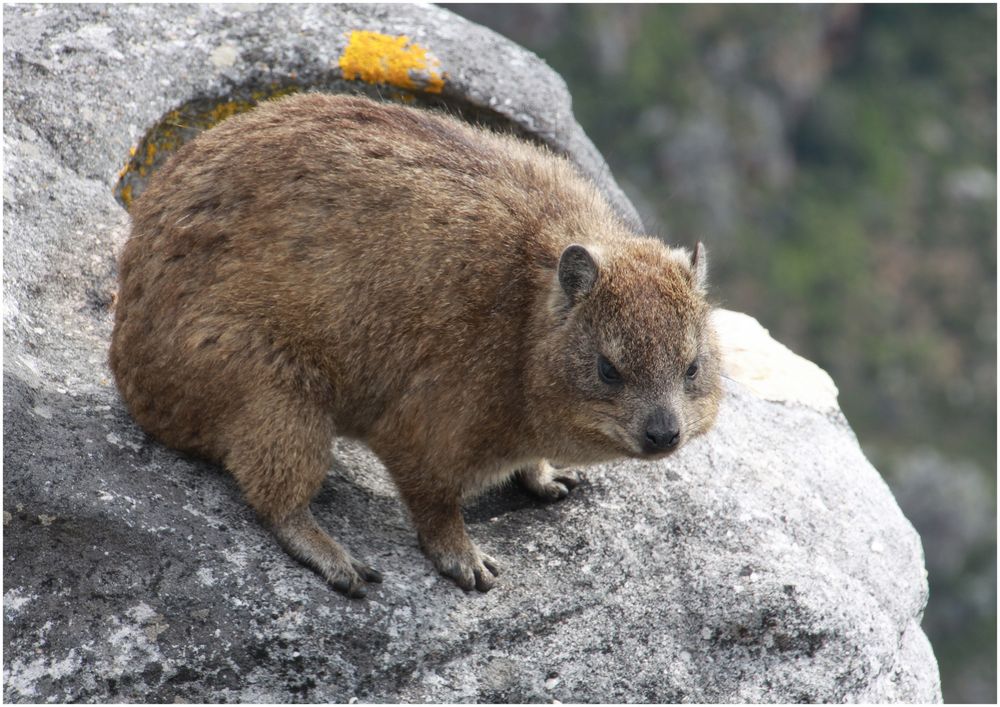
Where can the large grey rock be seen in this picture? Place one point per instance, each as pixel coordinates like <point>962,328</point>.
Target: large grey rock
<point>768,561</point>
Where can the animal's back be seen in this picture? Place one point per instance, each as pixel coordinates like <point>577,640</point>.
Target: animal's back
<point>333,245</point>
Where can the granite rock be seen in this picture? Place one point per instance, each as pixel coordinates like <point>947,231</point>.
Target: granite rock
<point>767,562</point>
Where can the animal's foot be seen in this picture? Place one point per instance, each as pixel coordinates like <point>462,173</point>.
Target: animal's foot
<point>352,578</point>
<point>306,541</point>
<point>547,482</point>
<point>469,567</point>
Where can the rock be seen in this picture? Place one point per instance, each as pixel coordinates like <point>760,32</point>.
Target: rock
<point>767,562</point>
<point>769,369</point>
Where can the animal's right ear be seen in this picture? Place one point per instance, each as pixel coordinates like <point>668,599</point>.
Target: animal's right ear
<point>699,268</point>
<point>577,272</point>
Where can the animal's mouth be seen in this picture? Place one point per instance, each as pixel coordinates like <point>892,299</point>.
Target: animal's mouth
<point>620,441</point>
<point>632,448</point>
<point>636,450</point>
<point>653,456</point>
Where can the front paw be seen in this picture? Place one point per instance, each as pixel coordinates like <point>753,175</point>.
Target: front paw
<point>469,568</point>
<point>549,483</point>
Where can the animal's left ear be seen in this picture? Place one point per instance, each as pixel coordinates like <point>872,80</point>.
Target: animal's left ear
<point>699,268</point>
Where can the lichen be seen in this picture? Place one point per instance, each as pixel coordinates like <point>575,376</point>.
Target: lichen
<point>385,59</point>
<point>181,125</point>
<point>402,69</point>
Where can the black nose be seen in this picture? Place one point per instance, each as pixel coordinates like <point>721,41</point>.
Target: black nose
<point>661,432</point>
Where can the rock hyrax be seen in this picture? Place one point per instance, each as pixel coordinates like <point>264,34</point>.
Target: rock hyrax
<point>463,302</point>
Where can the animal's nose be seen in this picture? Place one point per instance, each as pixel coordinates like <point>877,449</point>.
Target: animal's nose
<point>662,433</point>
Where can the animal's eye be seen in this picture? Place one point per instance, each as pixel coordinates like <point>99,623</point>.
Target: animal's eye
<point>607,372</point>
<point>692,370</point>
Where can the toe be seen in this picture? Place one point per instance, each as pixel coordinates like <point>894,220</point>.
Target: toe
<point>484,579</point>
<point>351,586</point>
<point>369,574</point>
<point>492,565</point>
<point>557,490</point>
<point>463,576</point>
<point>570,480</point>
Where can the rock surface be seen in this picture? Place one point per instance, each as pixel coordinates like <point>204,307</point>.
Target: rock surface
<point>767,562</point>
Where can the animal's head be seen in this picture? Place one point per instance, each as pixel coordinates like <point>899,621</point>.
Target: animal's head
<point>633,347</point>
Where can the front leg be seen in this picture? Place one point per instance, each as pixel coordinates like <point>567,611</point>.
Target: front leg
<point>442,536</point>
<point>432,489</point>
<point>547,482</point>
<point>441,532</point>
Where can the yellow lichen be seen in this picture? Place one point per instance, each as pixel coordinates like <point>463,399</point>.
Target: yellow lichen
<point>228,110</point>
<point>382,58</point>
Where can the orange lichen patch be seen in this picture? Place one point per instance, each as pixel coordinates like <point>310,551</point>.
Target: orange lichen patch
<point>383,58</point>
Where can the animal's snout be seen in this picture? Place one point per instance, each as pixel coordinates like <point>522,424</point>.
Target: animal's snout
<point>662,432</point>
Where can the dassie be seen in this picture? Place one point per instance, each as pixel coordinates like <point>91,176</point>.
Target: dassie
<point>461,301</point>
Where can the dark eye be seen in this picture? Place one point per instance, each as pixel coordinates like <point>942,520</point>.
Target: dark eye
<point>607,372</point>
<point>692,370</point>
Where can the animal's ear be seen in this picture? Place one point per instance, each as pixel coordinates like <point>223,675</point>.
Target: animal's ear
<point>577,272</point>
<point>699,268</point>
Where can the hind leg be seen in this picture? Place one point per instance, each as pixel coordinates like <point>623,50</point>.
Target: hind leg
<point>280,459</point>
<point>304,540</point>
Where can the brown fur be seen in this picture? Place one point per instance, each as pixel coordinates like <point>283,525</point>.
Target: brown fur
<point>330,266</point>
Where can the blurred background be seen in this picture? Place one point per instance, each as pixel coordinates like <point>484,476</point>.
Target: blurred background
<point>840,164</point>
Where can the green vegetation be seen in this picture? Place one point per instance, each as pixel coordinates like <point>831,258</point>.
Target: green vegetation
<point>840,164</point>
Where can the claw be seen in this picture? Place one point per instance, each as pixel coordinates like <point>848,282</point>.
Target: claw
<point>491,564</point>
<point>463,578</point>
<point>351,587</point>
<point>570,482</point>
<point>558,490</point>
<point>369,574</point>
<point>484,580</point>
